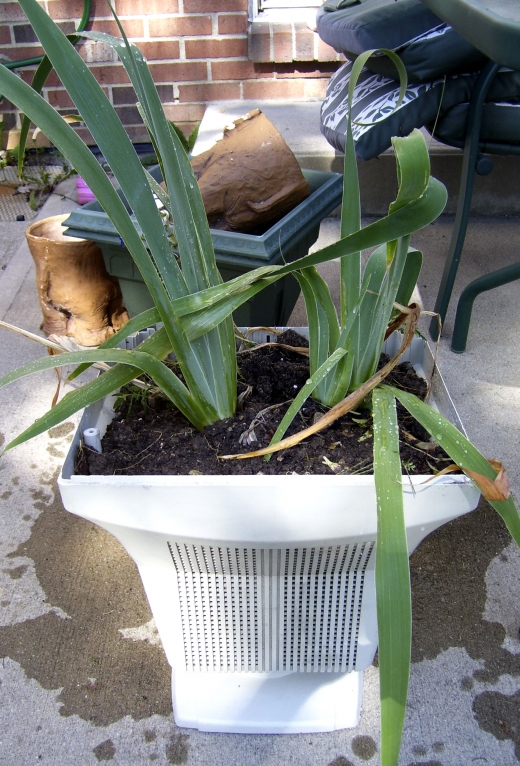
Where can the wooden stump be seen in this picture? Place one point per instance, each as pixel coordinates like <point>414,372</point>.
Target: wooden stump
<point>77,296</point>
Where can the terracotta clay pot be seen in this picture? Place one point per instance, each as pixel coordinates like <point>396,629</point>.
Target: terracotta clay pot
<point>77,296</point>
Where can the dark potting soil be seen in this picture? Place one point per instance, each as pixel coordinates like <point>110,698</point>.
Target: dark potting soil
<point>157,439</point>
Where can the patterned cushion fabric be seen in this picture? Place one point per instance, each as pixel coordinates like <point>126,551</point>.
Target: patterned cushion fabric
<point>428,47</point>
<point>376,118</point>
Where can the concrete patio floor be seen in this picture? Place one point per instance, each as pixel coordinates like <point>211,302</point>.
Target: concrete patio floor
<point>83,678</point>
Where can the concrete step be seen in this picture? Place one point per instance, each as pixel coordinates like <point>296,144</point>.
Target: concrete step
<point>299,123</point>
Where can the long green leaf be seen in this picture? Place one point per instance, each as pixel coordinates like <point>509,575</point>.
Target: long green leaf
<point>304,393</point>
<point>216,352</point>
<point>147,318</point>
<point>197,366</point>
<point>410,277</point>
<point>158,345</point>
<point>461,451</point>
<point>111,137</point>
<point>394,607</point>
<point>350,269</point>
<point>191,223</point>
<point>71,146</point>
<point>318,323</point>
<point>324,332</point>
<point>404,221</point>
<point>369,355</point>
<point>162,375</point>
<point>39,79</point>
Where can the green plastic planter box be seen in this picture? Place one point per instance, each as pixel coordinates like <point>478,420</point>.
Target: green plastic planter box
<point>236,254</point>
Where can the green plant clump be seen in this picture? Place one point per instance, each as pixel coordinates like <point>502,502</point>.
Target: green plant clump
<point>195,306</point>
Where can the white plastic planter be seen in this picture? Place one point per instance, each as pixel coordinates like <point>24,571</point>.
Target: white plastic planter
<point>262,587</point>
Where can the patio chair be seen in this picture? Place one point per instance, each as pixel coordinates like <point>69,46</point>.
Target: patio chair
<point>461,97</point>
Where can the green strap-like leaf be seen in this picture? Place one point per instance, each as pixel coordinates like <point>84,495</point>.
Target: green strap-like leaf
<point>215,352</point>
<point>324,333</point>
<point>214,391</point>
<point>404,221</point>
<point>351,209</point>
<point>413,168</point>
<point>383,307</point>
<point>461,451</point>
<point>410,277</point>
<point>394,608</point>
<point>40,77</point>
<point>73,148</point>
<point>146,319</point>
<point>158,345</point>
<point>162,375</point>
<point>304,393</point>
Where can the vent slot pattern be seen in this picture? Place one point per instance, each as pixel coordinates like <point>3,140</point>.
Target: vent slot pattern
<point>251,609</point>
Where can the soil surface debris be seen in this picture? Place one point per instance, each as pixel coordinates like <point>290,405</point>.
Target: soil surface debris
<point>150,437</point>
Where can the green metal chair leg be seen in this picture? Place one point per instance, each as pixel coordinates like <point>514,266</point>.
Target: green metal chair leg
<point>468,295</point>
<point>471,150</point>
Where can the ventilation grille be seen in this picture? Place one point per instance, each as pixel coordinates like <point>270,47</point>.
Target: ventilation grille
<point>246,609</point>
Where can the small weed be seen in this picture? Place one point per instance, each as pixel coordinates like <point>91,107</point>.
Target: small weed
<point>132,395</point>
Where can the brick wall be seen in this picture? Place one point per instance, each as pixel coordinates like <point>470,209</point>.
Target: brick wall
<point>198,51</point>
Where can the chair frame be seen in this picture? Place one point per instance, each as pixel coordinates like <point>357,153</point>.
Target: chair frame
<point>473,162</point>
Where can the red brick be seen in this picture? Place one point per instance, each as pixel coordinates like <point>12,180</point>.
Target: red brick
<point>137,134</point>
<point>17,52</point>
<point>109,75</point>
<point>277,89</point>
<point>53,81</point>
<point>160,50</point>
<point>67,9</point>
<point>214,91</point>
<point>260,41</point>
<point>194,6</point>
<point>185,113</point>
<point>85,136</point>
<point>165,93</point>
<point>182,26</point>
<point>316,88</point>
<point>67,27</point>
<point>325,52</point>
<point>179,71</point>
<point>125,95</point>
<point>283,42</point>
<point>133,27</point>
<point>12,12</point>
<point>236,70</point>
<point>24,33</point>
<point>5,36</point>
<point>129,115</point>
<point>150,7</point>
<point>304,42</point>
<point>59,98</point>
<point>209,48</point>
<point>95,53</point>
<point>232,24</point>
<point>28,74</point>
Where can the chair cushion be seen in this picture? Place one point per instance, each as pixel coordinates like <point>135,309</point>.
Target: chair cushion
<point>428,47</point>
<point>374,106</point>
<point>500,125</point>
